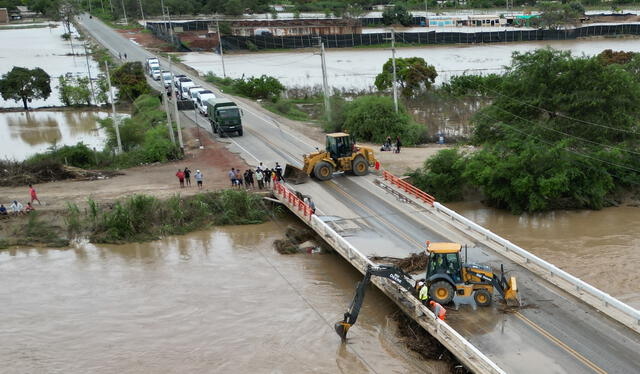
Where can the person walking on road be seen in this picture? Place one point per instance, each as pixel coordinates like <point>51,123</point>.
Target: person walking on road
<point>398,144</point>
<point>34,196</point>
<point>187,176</point>
<point>438,310</point>
<point>180,175</point>
<point>259,178</point>
<point>198,176</point>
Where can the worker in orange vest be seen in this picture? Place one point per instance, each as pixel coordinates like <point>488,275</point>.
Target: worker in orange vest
<point>438,310</point>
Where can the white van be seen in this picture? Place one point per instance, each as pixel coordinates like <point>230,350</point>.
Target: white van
<point>193,91</point>
<point>155,73</point>
<point>184,89</point>
<point>201,101</point>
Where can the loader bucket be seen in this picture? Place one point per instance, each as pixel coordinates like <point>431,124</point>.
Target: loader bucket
<point>342,328</point>
<point>295,175</point>
<point>511,296</point>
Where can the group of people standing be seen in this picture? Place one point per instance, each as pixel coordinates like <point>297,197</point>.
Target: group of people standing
<point>184,177</point>
<point>261,175</point>
<point>388,144</point>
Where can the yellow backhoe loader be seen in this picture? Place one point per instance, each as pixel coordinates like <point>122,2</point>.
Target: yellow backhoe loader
<point>446,276</point>
<point>341,154</point>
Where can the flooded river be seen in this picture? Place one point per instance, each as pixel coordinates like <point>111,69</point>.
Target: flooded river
<point>44,48</point>
<point>32,132</point>
<point>601,247</point>
<point>356,69</point>
<point>217,301</point>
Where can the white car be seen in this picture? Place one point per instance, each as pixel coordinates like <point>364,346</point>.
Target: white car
<point>201,101</point>
<point>166,78</point>
<point>155,73</point>
<point>193,91</point>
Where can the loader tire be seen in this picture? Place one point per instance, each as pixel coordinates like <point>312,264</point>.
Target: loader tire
<point>323,171</point>
<point>359,166</point>
<point>441,292</point>
<point>482,297</point>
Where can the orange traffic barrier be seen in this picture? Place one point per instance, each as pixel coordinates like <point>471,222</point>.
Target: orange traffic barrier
<point>408,187</point>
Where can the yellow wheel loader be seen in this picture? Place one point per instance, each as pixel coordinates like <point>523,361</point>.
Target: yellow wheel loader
<point>341,154</point>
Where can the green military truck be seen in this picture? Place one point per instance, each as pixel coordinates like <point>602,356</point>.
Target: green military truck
<point>225,116</point>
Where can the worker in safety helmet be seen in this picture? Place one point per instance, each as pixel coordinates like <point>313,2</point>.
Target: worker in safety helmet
<point>438,310</point>
<point>423,292</point>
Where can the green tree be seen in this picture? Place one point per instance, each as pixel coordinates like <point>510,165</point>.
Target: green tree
<point>25,84</point>
<point>413,74</point>
<point>74,91</point>
<point>130,81</point>
<point>397,14</point>
<point>373,118</point>
<point>555,14</point>
<point>263,87</point>
<point>442,175</point>
<point>559,130</point>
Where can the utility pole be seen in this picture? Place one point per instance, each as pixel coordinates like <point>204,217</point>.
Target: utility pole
<point>165,98</point>
<point>93,93</point>
<point>141,11</point>
<point>393,61</point>
<point>224,71</point>
<point>170,27</point>
<point>175,101</point>
<point>195,114</point>
<point>164,18</point>
<point>325,82</point>
<point>116,126</point>
<point>89,6</point>
<point>111,6</point>
<point>124,11</point>
<point>426,14</point>
<point>102,5</point>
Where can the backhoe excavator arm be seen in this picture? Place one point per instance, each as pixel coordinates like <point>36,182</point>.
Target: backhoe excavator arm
<point>386,271</point>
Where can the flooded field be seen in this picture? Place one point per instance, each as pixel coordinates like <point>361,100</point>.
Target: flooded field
<point>43,48</point>
<point>601,247</point>
<point>356,69</point>
<point>32,132</point>
<point>221,301</point>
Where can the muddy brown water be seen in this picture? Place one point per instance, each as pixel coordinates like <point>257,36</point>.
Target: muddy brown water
<point>214,301</point>
<point>28,133</point>
<point>601,247</point>
<point>44,48</point>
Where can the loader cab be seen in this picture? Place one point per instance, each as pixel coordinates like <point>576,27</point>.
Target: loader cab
<point>444,258</point>
<point>340,145</point>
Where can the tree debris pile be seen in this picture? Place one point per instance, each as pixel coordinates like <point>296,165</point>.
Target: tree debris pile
<point>15,173</point>
<point>416,262</point>
<point>294,237</point>
<point>420,341</point>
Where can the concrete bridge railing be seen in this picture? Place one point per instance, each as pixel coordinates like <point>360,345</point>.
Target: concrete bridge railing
<point>466,352</point>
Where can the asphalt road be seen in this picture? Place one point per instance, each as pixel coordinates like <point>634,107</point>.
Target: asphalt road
<point>553,333</point>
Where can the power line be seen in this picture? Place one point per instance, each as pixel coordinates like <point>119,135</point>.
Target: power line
<point>570,135</point>
<point>560,114</point>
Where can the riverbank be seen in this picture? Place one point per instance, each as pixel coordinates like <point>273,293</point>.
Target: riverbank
<point>134,218</point>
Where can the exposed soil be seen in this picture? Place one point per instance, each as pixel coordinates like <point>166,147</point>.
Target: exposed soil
<point>158,179</point>
<point>300,240</point>
<point>146,39</point>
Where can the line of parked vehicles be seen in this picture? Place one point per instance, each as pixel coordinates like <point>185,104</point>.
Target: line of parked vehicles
<point>224,115</point>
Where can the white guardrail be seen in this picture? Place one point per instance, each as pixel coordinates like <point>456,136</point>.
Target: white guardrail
<point>466,352</point>
<point>598,299</point>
